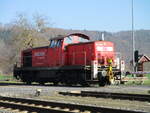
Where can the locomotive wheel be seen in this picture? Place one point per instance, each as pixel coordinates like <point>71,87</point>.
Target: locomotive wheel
<point>55,83</point>
<point>42,83</point>
<point>102,81</point>
<point>68,83</point>
<point>28,82</point>
<point>85,84</point>
<point>83,81</point>
<point>102,78</point>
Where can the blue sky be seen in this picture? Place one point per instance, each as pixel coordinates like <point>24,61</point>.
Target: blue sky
<point>108,15</point>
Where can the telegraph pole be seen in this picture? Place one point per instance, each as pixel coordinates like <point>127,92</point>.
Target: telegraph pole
<point>133,39</point>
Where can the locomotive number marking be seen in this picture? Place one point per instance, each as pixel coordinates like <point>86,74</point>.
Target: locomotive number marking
<point>104,48</point>
<point>39,54</point>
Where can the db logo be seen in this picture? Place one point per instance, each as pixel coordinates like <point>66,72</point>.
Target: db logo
<point>39,54</point>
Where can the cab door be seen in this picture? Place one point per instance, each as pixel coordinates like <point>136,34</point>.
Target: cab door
<point>55,53</point>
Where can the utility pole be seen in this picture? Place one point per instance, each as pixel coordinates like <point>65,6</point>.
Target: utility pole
<point>133,39</point>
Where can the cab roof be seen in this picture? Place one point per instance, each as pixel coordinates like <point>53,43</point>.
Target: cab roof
<point>73,34</point>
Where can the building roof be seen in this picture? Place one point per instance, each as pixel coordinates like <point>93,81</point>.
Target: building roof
<point>144,58</point>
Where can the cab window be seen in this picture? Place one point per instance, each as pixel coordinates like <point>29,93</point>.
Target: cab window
<point>83,39</point>
<point>68,40</point>
<point>55,43</point>
<point>52,44</point>
<point>58,43</point>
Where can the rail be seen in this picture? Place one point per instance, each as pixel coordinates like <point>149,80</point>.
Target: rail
<point>138,97</point>
<point>55,107</point>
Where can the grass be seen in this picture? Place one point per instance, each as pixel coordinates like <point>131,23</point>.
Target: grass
<point>148,75</point>
<point>6,77</point>
<point>146,82</point>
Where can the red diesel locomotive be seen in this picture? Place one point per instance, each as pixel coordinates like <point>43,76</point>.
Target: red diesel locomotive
<point>71,59</point>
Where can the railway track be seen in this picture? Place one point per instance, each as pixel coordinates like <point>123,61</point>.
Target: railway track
<point>138,97</point>
<point>21,105</point>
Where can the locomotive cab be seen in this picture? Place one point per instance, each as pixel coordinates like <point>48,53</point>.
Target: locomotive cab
<point>58,52</point>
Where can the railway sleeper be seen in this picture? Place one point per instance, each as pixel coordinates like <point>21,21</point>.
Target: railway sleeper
<point>13,107</point>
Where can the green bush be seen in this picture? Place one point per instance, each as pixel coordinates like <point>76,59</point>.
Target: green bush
<point>6,77</point>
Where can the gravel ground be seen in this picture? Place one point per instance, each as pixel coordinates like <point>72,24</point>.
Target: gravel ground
<point>12,90</point>
<point>50,93</point>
